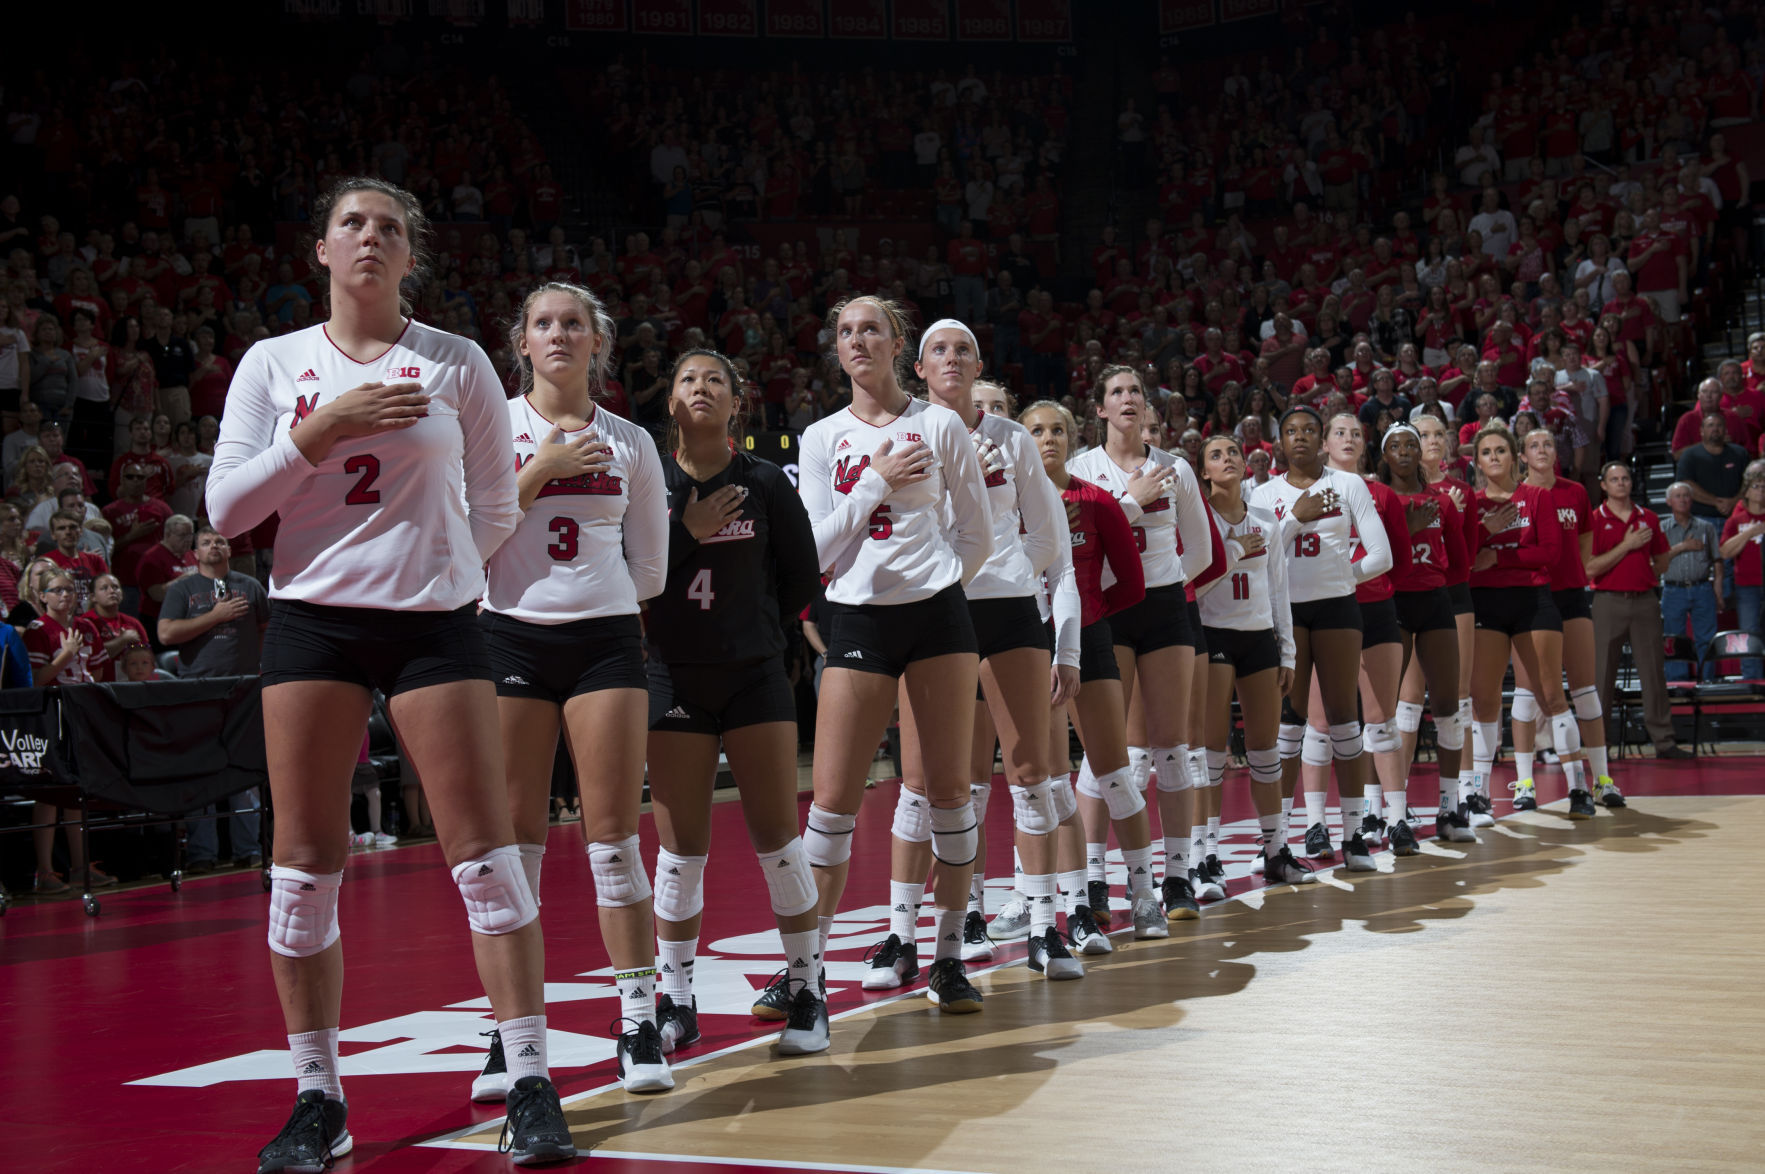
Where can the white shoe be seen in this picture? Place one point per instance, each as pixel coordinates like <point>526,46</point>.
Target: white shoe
<point>642,1067</point>
<point>382,840</point>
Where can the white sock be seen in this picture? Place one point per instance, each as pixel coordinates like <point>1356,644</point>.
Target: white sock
<point>1197,846</point>
<point>1139,861</point>
<point>1039,892</point>
<point>1072,887</point>
<point>1523,764</point>
<point>1096,862</point>
<point>825,927</point>
<point>1285,827</point>
<point>1353,807</point>
<point>1317,806</point>
<point>676,967</point>
<point>1271,834</point>
<point>904,901</point>
<point>1213,835</point>
<point>524,1046</point>
<point>1449,792</point>
<point>802,958</point>
<point>1397,807</point>
<point>532,856</point>
<point>1176,855</point>
<point>977,891</point>
<point>637,993</point>
<point>1017,863</point>
<point>1597,762</point>
<point>315,1062</point>
<point>949,934</point>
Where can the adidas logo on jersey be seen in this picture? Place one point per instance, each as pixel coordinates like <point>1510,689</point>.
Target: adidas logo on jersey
<point>514,680</point>
<point>676,712</point>
<point>854,655</point>
<point>310,375</point>
<point>843,445</point>
<point>523,439</point>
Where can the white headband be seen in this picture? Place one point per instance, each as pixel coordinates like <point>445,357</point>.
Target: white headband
<point>948,324</point>
<point>1397,430</point>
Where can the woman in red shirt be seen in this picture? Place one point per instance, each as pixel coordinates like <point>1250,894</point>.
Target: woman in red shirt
<point>1742,538</point>
<point>1516,616</point>
<point>1625,555</point>
<point>1572,514</point>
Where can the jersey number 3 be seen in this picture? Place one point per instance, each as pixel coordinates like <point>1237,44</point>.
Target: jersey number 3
<point>368,465</point>
<point>567,532</point>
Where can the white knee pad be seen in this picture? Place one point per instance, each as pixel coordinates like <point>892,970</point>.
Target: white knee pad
<point>1060,796</point>
<point>1345,740</point>
<point>1485,740</point>
<point>1139,767</point>
<point>618,873</point>
<point>955,836</point>
<point>303,911</point>
<point>828,841</point>
<point>1565,732</point>
<point>495,890</point>
<point>680,886</point>
<point>1198,768</point>
<point>1032,808</point>
<point>1172,764</point>
<point>1525,707</point>
<point>913,817</point>
<point>1409,717</point>
<point>1315,750</point>
<point>1587,703</point>
<point>789,880</point>
<point>1123,800</point>
<point>978,793</point>
<point>1087,780</point>
<point>1265,765</point>
<point>1289,739</point>
<point>1216,767</point>
<point>1382,737</point>
<point>1448,733</point>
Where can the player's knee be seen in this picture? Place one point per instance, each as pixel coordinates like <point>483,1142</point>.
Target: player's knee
<point>1265,764</point>
<point>1409,717</point>
<point>1139,767</point>
<point>828,839</point>
<point>789,880</point>
<point>978,793</point>
<point>955,835</point>
<point>495,890</point>
<point>1032,809</point>
<point>680,886</point>
<point>1289,739</point>
<point>1382,737</point>
<point>1449,732</point>
<point>1216,768</point>
<point>1122,798</point>
<point>1315,748</point>
<point>1172,764</point>
<point>1525,707</point>
<point>619,878</point>
<point>1345,740</point>
<point>303,911</point>
<point>1060,794</point>
<point>913,817</point>
<point>1586,701</point>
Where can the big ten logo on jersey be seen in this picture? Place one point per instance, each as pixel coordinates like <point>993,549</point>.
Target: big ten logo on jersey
<point>404,372</point>
<point>1261,551</point>
<point>846,473</point>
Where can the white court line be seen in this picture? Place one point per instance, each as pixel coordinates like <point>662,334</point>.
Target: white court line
<point>454,1139</point>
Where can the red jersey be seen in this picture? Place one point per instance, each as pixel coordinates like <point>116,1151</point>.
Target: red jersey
<point>84,567</point>
<point>1397,533</point>
<point>1636,570</point>
<point>1748,571</point>
<point>1458,490</point>
<point>1573,518</point>
<point>1101,534</point>
<point>1437,550</point>
<point>1525,551</point>
<point>108,630</point>
<point>43,643</point>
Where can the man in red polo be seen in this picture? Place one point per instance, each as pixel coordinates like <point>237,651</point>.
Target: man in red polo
<point>1660,261</point>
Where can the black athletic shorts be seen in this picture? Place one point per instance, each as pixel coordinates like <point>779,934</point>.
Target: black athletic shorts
<point>1097,654</point>
<point>376,648</point>
<point>1196,626</point>
<point>1425,611</point>
<point>1161,620</point>
<point>1246,652</point>
<point>887,637</point>
<point>555,662</point>
<point>716,698</point>
<point>1573,603</point>
<point>1001,625</point>
<point>1323,615</point>
<point>1461,599</point>
<point>1512,610</point>
<point>1379,624</point>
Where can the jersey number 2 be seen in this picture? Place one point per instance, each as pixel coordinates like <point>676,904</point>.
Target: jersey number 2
<point>700,589</point>
<point>567,532</point>
<point>368,465</point>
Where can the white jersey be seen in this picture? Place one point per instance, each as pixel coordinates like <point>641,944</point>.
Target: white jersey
<point>894,546</point>
<point>1321,562</point>
<point>594,545</point>
<point>382,521</point>
<point>1029,519</point>
<point>1252,595</point>
<point>1173,539</point>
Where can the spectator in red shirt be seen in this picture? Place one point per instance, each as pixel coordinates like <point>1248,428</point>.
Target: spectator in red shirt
<point>1661,264</point>
<point>967,259</point>
<point>1626,554</point>
<point>1688,432</point>
<point>137,521</point>
<point>1217,367</point>
<point>164,563</point>
<point>65,528</point>
<point>116,631</point>
<point>158,470</point>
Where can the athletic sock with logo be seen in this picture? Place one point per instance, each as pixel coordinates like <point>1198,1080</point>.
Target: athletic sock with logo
<point>524,1046</point>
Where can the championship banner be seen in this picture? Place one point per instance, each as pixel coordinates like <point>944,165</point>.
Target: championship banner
<point>793,18</point>
<point>983,20</point>
<point>728,18</point>
<point>594,16</point>
<point>1177,16</point>
<point>921,20</point>
<point>526,14</point>
<point>1231,10</point>
<point>851,19</point>
<point>1044,20</point>
<point>672,18</point>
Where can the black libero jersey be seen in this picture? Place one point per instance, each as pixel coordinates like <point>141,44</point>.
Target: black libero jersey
<point>729,595</point>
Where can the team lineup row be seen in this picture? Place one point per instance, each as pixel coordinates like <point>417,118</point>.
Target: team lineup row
<point>976,579</point>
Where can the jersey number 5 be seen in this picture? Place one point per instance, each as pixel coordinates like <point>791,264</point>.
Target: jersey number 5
<point>368,465</point>
<point>567,532</point>
<point>881,526</point>
<point>700,589</point>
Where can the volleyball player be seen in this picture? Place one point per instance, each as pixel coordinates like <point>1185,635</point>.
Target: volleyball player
<point>1154,640</point>
<point>1516,616</point>
<point>1029,530</point>
<point>1572,514</point>
<point>1437,446</point>
<point>1101,539</point>
<point>1250,648</point>
<point>1381,650</point>
<point>384,446</point>
<point>1323,512</point>
<point>1425,615</point>
<point>895,493</point>
<point>741,558</point>
<point>560,617</point>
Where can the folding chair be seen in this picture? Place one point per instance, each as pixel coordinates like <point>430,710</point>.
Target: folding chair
<point>1727,691</point>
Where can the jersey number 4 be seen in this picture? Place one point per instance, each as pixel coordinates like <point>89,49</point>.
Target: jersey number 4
<point>368,465</point>
<point>700,589</point>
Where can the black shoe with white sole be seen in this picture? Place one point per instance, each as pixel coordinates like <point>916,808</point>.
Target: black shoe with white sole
<point>1317,842</point>
<point>1357,856</point>
<point>950,989</point>
<point>774,1003</point>
<point>317,1134</point>
<point>535,1132</point>
<point>805,1032</point>
<point>1050,957</point>
<point>642,1067</point>
<point>893,963</point>
<point>492,1084</point>
<point>678,1023</point>
<point>976,945</point>
<point>1403,840</point>
<point>1097,898</point>
<point>1082,930</point>
<point>1283,868</point>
